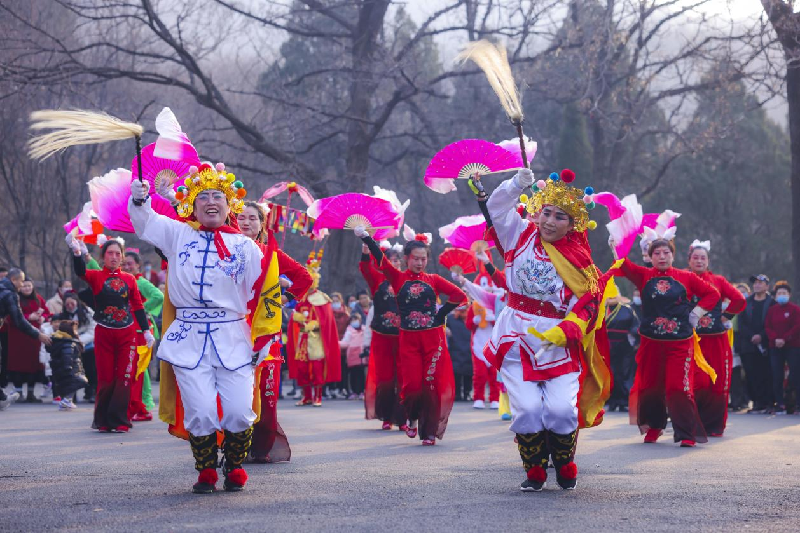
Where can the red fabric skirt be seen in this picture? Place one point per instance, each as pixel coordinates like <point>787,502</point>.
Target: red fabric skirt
<point>712,398</point>
<point>115,358</point>
<point>665,383</point>
<point>23,352</point>
<point>382,394</point>
<point>310,373</point>
<point>270,444</point>
<point>428,384</point>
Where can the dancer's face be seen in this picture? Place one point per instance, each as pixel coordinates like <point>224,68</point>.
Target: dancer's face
<point>698,261</point>
<point>554,224</point>
<point>211,208</point>
<point>113,257</point>
<point>662,257</point>
<point>249,222</point>
<point>417,260</point>
<point>27,287</point>
<point>129,265</point>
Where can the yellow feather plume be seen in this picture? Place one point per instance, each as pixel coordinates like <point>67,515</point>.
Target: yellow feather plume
<point>71,128</point>
<point>493,60</point>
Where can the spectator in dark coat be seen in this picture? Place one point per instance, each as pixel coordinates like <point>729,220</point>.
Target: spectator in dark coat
<point>458,342</point>
<point>754,343</point>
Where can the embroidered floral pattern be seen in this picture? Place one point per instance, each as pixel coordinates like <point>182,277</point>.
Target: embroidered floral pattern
<point>116,284</point>
<point>233,267</point>
<point>537,279</point>
<point>705,322</point>
<point>666,326</point>
<point>416,290</point>
<point>431,374</point>
<point>115,313</point>
<point>662,287</point>
<point>391,320</point>
<point>419,320</point>
<point>687,367</point>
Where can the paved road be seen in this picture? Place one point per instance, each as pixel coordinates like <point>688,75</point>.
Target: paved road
<point>347,475</point>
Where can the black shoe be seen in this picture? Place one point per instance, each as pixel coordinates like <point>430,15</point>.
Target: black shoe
<point>32,399</point>
<point>231,486</point>
<point>531,486</point>
<point>566,484</point>
<point>203,488</point>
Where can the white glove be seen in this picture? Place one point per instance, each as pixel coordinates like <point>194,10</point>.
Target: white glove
<point>523,178</point>
<point>361,232</point>
<point>139,190</point>
<point>75,245</point>
<point>482,257</point>
<point>165,191</point>
<point>694,319</point>
<point>262,354</point>
<point>476,320</point>
<point>546,345</point>
<point>727,324</point>
<point>149,339</point>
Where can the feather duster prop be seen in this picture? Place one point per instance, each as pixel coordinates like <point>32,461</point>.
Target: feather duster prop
<point>493,61</point>
<point>71,128</point>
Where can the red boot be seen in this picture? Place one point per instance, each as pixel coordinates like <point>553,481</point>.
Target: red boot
<point>306,397</point>
<point>206,481</point>
<point>317,397</point>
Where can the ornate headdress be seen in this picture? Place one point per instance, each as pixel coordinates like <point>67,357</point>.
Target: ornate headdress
<point>205,178</point>
<point>662,228</point>
<point>573,201</point>
<point>410,235</point>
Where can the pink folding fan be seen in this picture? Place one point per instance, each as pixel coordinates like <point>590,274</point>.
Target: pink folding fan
<point>461,159</point>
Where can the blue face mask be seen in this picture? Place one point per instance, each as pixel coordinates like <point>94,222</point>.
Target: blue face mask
<point>356,325</point>
<point>782,299</point>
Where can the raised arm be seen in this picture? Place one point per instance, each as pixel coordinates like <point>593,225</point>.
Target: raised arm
<point>508,225</point>
<point>158,230</point>
<point>371,275</point>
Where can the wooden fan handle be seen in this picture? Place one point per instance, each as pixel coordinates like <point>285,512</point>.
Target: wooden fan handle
<point>522,144</point>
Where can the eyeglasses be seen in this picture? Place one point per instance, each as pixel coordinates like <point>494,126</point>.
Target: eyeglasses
<point>206,196</point>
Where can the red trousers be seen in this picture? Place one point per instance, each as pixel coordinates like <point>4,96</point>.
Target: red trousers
<point>712,398</point>
<point>311,373</point>
<point>270,444</point>
<point>115,358</point>
<point>665,383</point>
<point>480,375</point>
<point>382,394</point>
<point>428,389</point>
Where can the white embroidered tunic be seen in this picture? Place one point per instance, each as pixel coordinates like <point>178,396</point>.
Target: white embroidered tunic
<point>210,295</point>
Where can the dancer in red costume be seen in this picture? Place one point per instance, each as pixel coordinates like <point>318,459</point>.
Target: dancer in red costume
<point>270,444</point>
<point>382,395</point>
<point>313,347</point>
<point>428,385</point>
<point>666,358</point>
<point>712,397</point>
<point>480,322</point>
<point>117,303</point>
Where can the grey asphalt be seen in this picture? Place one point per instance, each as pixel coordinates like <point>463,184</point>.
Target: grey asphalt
<point>348,475</point>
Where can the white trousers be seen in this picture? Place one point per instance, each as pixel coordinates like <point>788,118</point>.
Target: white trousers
<point>199,388</point>
<point>540,405</point>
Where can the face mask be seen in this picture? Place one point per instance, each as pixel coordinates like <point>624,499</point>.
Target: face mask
<point>782,299</point>
<point>637,300</point>
<point>336,305</point>
<point>352,305</point>
<point>356,325</point>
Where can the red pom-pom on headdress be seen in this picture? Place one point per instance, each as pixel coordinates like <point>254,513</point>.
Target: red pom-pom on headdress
<point>567,176</point>
<point>204,166</point>
<point>420,237</point>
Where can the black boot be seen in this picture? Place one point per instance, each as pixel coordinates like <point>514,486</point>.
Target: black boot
<point>235,449</point>
<point>204,450</point>
<point>534,454</point>
<point>31,398</point>
<point>562,450</point>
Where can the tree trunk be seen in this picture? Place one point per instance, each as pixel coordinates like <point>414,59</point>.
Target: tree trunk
<point>793,97</point>
<point>342,268</point>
